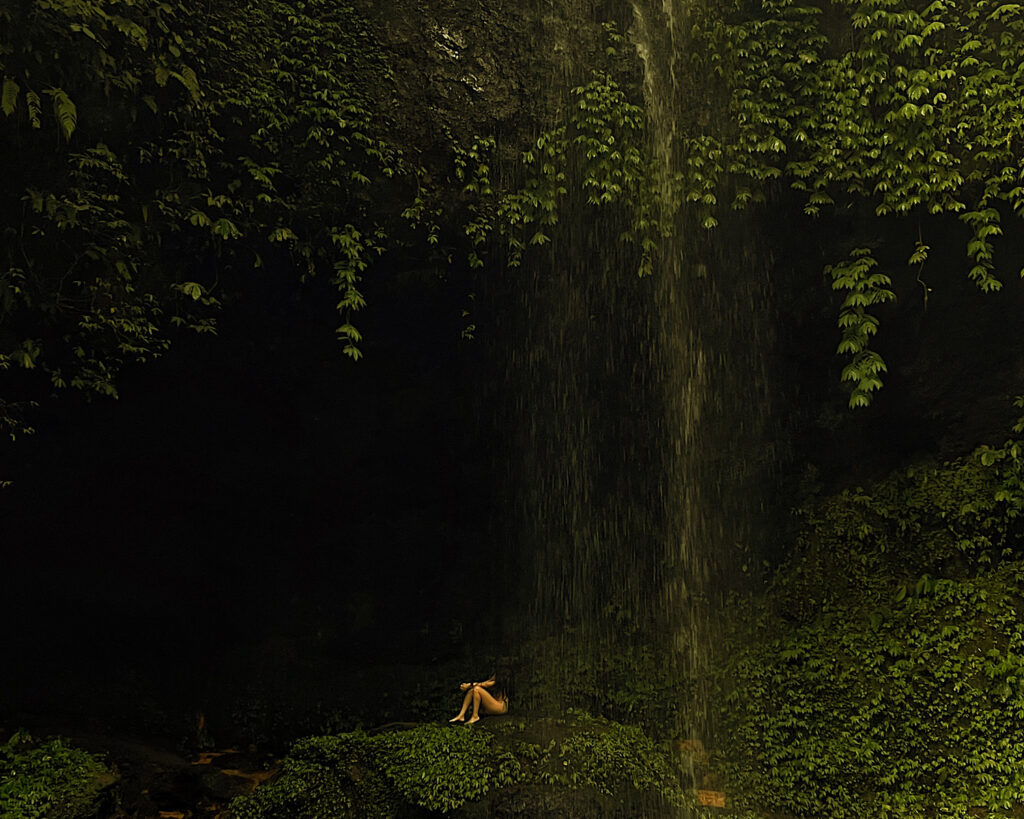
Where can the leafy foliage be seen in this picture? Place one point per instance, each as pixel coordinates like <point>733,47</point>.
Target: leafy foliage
<point>156,151</point>
<point>48,780</point>
<point>882,673</point>
<point>359,775</point>
<point>176,153</point>
<point>1008,464</point>
<point>422,770</point>
<point>908,107</point>
<point>441,768</point>
<point>911,106</point>
<point>322,777</point>
<point>594,157</point>
<point>612,756</point>
<point>864,289</point>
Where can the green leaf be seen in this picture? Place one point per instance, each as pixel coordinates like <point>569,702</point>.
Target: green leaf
<point>187,77</point>
<point>350,332</point>
<point>282,234</point>
<point>9,96</point>
<point>65,111</point>
<point>226,229</point>
<point>35,108</point>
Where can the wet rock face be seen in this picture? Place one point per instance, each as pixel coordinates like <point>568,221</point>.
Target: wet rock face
<point>465,69</point>
<point>105,802</point>
<point>452,75</point>
<point>458,72</point>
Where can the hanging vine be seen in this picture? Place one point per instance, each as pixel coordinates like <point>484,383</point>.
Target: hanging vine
<point>914,107</point>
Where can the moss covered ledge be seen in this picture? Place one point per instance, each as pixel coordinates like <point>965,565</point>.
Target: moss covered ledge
<point>501,766</point>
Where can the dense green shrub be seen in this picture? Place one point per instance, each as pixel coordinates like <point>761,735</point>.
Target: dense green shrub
<point>437,767</point>
<point>883,673</point>
<point>322,777</point>
<point>48,780</point>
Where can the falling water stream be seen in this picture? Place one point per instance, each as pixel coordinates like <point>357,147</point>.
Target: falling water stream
<point>712,333</point>
<point>639,433</point>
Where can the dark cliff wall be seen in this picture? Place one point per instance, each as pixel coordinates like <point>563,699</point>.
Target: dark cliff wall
<point>464,69</point>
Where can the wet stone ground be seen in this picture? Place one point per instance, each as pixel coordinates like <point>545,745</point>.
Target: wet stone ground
<point>158,783</point>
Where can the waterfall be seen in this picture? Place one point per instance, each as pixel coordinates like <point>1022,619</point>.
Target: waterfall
<point>712,334</point>
<point>639,431</point>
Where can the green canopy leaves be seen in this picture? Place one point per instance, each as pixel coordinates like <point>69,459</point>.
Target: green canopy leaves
<point>182,144</point>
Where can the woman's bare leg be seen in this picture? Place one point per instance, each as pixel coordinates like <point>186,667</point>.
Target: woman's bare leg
<point>484,701</point>
<point>481,698</point>
<point>459,717</point>
<point>477,693</point>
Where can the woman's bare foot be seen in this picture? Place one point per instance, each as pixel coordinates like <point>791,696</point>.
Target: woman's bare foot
<point>471,720</point>
<point>459,718</point>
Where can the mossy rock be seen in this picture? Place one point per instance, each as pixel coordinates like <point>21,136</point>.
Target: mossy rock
<point>501,766</point>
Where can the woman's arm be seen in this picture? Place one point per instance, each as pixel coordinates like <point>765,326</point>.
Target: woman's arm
<point>485,684</point>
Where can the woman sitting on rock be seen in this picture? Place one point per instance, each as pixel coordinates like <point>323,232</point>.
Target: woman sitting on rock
<point>482,700</point>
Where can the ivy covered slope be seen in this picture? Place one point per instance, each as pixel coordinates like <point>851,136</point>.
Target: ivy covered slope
<point>154,150</point>
<point>578,766</point>
<point>884,673</point>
